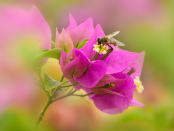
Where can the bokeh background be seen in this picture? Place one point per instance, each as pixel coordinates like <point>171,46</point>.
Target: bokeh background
<point>145,25</point>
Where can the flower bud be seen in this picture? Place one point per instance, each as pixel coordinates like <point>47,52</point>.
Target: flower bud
<point>63,41</point>
<point>133,70</point>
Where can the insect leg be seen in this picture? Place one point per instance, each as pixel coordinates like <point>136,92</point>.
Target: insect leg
<point>109,46</point>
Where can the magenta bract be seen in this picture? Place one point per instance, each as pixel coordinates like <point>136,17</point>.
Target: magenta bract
<point>77,66</point>
<point>109,79</point>
<point>74,35</point>
<point>117,98</point>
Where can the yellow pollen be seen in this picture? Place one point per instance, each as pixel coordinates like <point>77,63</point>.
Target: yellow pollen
<point>139,85</point>
<point>101,49</point>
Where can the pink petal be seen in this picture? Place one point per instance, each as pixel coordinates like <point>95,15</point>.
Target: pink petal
<point>63,59</point>
<point>111,104</point>
<point>88,48</point>
<point>119,60</point>
<point>118,99</point>
<point>135,102</point>
<point>42,26</point>
<point>111,92</point>
<point>82,32</point>
<point>137,64</point>
<point>64,41</point>
<point>76,67</point>
<point>81,65</point>
<point>96,70</point>
<point>17,24</point>
<point>57,34</point>
<point>123,82</point>
<point>72,24</point>
<point>105,80</point>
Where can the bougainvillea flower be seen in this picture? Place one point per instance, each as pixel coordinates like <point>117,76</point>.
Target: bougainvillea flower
<point>22,33</point>
<point>74,34</point>
<point>117,61</point>
<point>114,93</point>
<point>77,66</point>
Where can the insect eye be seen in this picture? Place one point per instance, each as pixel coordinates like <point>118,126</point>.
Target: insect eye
<point>99,41</point>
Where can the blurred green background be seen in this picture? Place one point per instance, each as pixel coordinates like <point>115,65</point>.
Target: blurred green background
<point>145,25</point>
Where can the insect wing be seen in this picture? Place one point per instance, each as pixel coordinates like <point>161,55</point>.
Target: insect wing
<point>114,34</point>
<point>120,43</point>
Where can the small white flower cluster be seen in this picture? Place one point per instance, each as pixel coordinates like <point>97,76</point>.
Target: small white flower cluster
<point>139,85</point>
<point>101,49</point>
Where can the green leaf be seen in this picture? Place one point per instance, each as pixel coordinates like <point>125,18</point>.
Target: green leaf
<point>53,53</point>
<point>51,83</point>
<point>82,44</point>
<point>42,51</point>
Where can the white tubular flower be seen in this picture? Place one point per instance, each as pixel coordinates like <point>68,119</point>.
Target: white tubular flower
<point>139,85</point>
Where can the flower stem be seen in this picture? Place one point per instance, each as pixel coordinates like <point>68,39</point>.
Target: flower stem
<point>69,85</point>
<point>43,112</point>
<point>62,78</point>
<point>52,99</point>
<point>68,94</point>
<point>83,95</point>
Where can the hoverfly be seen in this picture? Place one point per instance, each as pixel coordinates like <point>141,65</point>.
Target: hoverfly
<point>107,40</point>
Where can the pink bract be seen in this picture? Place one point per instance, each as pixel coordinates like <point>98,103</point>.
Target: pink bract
<point>77,66</point>
<point>16,23</point>
<point>74,34</point>
<point>116,99</point>
<point>20,28</point>
<point>63,41</point>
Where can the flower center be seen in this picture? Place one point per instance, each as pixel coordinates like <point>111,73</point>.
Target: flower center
<point>139,85</point>
<point>100,48</point>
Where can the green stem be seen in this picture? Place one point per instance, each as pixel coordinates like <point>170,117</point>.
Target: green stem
<point>82,95</point>
<point>62,97</point>
<point>62,78</point>
<point>51,97</point>
<point>57,88</point>
<point>69,85</point>
<point>70,93</point>
<point>43,112</point>
<point>50,101</point>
